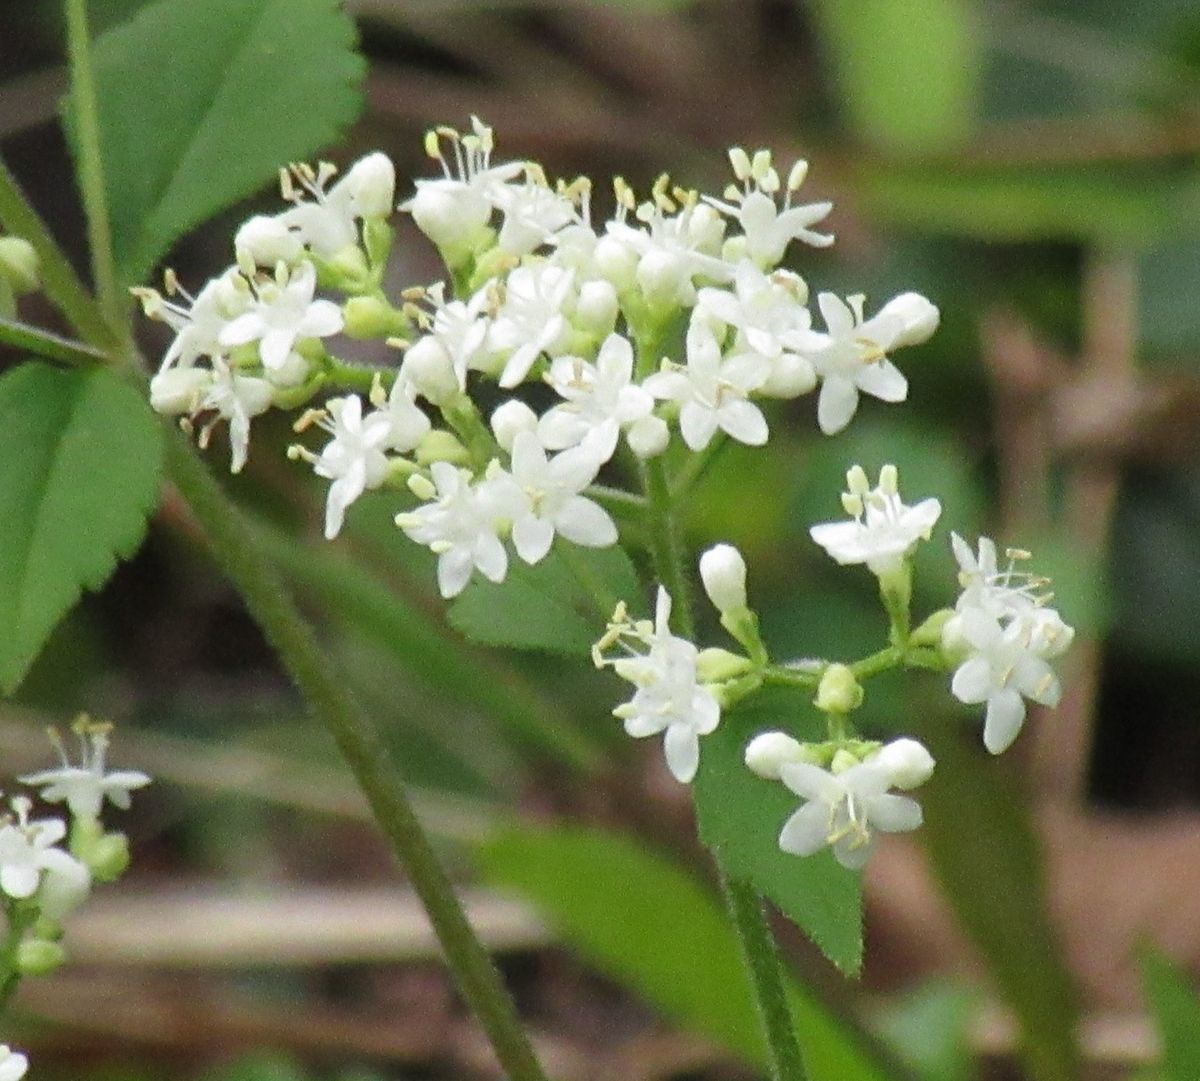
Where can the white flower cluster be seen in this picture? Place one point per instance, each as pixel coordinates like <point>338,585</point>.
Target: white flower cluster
<point>1005,634</point>
<point>541,293</point>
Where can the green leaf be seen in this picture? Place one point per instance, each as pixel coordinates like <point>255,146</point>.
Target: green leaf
<point>985,854</point>
<point>80,458</point>
<point>201,102</point>
<point>560,604</point>
<point>740,816</point>
<point>1176,1011</point>
<point>908,73</point>
<point>668,939</point>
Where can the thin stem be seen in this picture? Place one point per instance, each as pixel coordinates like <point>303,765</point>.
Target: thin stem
<point>357,377</point>
<point>697,466</point>
<point>62,285</point>
<point>91,162</point>
<point>270,604</point>
<point>779,676</point>
<point>744,903</point>
<point>42,343</point>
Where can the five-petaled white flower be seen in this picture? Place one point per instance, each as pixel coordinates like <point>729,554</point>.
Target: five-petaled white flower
<point>283,313</point>
<point>86,786</point>
<point>532,319</point>
<point>882,531</point>
<point>669,698</point>
<point>852,356</point>
<point>553,503</point>
<point>28,852</point>
<point>354,458</point>
<point>461,524</point>
<point>198,325</point>
<point>711,392</point>
<point>844,810</point>
<point>600,399</point>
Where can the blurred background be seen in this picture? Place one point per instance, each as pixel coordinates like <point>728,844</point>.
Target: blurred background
<point>1032,167</point>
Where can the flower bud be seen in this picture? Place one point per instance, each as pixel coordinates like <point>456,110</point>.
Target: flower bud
<point>615,261</point>
<point>907,762</point>
<point>449,215</point>
<point>179,390</point>
<point>842,761</point>
<point>791,376</point>
<point>596,309</point>
<point>39,957</point>
<point>109,857</point>
<point>347,269</point>
<point>440,445</point>
<point>510,419</point>
<point>766,752</point>
<point>293,372</point>
<point>839,691</point>
<point>428,367</point>
<point>715,665</point>
<point>723,571</point>
<point>371,182</point>
<point>19,264</point>
<point>264,241</point>
<point>648,436</point>
<point>919,316</point>
<point>660,273</point>
<point>371,317</point>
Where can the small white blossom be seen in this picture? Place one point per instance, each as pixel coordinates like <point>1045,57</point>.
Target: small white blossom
<point>882,531</point>
<point>283,313</point>
<point>844,810</point>
<point>326,222</point>
<point>669,699</point>
<point>354,458</point>
<point>461,524</point>
<point>460,328</point>
<point>768,752</point>
<point>852,357</point>
<point>236,398</point>
<point>86,786</point>
<point>27,849</point>
<point>599,399</point>
<point>532,319</point>
<point>199,324</point>
<point>767,227</point>
<point>12,1064</point>
<point>533,213</point>
<point>711,392</point>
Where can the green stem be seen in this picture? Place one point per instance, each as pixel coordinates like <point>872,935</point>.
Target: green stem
<point>778,675</point>
<point>745,905</point>
<point>91,162</point>
<point>62,285</point>
<point>697,466</point>
<point>270,604</point>
<point>885,659</point>
<point>50,346</point>
<point>357,377</point>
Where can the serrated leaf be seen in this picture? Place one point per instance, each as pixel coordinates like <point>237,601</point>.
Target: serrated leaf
<point>740,816</point>
<point>80,459</point>
<point>1176,1011</point>
<point>920,91</point>
<point>201,102</point>
<point>647,923</point>
<point>985,854</point>
<point>559,604</point>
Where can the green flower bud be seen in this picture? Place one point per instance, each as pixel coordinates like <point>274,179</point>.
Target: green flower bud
<point>929,633</point>
<point>440,445</point>
<point>371,317</point>
<point>839,691</point>
<point>20,265</point>
<point>718,665</point>
<point>38,957</point>
<point>107,857</point>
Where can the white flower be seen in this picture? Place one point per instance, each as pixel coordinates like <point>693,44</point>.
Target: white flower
<point>354,458</point>
<point>284,312</point>
<point>599,399</point>
<point>882,530</point>
<point>1002,594</point>
<point>843,810</point>
<point>265,241</point>
<point>456,207</point>
<point>457,338</point>
<point>678,245</point>
<point>533,213</point>
<point>768,228</point>
<point>235,398</point>
<point>852,357</point>
<point>533,318</point>
<point>723,571</point>
<point>1004,669</point>
<point>27,849</point>
<point>712,393</point>
<point>327,224</point>
<point>86,786</point>
<point>461,524</point>
<point>668,698</point>
<point>552,501</point>
<point>12,1064</point>
<point>198,326</point>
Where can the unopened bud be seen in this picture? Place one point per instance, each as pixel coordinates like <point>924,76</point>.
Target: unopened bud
<point>371,317</point>
<point>510,419</point>
<point>839,691</point>
<point>723,571</point>
<point>929,633</point>
<point>371,182</point>
<point>791,376</point>
<point>428,367</point>
<point>919,316</point>
<point>907,762</point>
<point>440,445</point>
<point>766,753</point>
<point>19,264</point>
<point>265,241</point>
<point>108,857</point>
<point>39,957</point>
<point>648,436</point>
<point>715,665</point>
<point>596,310</point>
